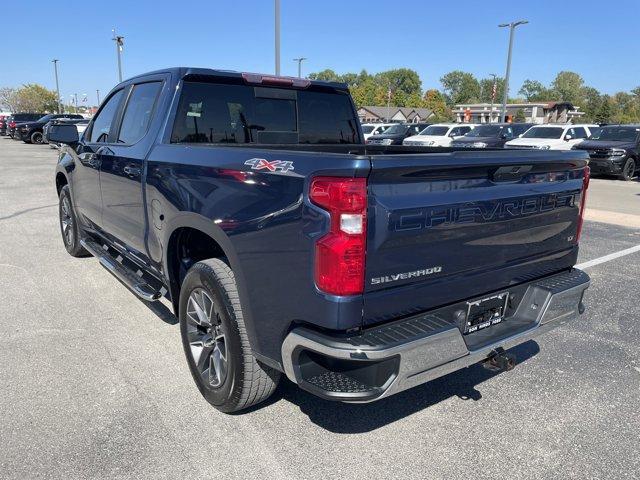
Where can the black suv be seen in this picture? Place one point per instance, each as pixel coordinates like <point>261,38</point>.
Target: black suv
<point>493,135</point>
<point>395,134</point>
<point>614,150</point>
<point>31,132</point>
<point>16,118</point>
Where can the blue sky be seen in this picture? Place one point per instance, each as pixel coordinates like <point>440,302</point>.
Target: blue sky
<point>598,39</point>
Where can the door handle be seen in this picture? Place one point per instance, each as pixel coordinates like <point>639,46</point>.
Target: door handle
<point>132,171</point>
<point>90,159</point>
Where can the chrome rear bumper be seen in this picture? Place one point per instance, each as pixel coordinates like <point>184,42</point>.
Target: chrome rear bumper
<point>388,359</point>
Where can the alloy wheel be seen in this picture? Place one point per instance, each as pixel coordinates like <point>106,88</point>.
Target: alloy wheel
<point>66,221</point>
<point>207,341</point>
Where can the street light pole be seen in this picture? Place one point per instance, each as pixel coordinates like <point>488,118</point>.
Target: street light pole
<point>299,60</point>
<point>493,96</point>
<point>277,35</point>
<point>55,69</point>
<point>98,95</point>
<point>119,39</point>
<point>512,26</point>
<point>75,98</point>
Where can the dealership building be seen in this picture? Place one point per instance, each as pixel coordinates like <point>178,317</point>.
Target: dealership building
<point>534,112</point>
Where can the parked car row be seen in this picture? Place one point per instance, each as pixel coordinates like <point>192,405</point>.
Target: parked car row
<point>29,127</point>
<point>613,149</point>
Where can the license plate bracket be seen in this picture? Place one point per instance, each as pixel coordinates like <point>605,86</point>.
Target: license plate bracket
<point>486,312</point>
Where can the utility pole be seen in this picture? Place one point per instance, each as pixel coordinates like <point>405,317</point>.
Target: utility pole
<point>119,39</point>
<point>512,26</point>
<point>493,96</point>
<point>75,100</point>
<point>277,35</point>
<point>299,60</point>
<point>55,69</point>
<point>98,95</point>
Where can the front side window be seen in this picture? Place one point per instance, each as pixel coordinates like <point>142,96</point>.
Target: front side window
<point>579,132</point>
<point>137,115</point>
<point>238,114</point>
<point>102,123</point>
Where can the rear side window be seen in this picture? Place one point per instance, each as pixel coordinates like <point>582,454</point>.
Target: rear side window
<point>223,113</point>
<point>102,123</point>
<point>137,114</point>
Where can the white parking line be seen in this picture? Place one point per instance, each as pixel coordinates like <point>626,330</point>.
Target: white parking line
<point>608,258</point>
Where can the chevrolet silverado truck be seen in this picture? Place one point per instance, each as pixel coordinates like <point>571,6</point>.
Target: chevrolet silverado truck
<point>288,246</point>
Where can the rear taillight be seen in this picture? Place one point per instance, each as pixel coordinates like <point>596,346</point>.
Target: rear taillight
<point>12,124</point>
<point>583,200</point>
<point>340,254</point>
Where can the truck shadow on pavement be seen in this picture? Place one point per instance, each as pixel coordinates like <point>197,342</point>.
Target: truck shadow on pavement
<point>353,418</point>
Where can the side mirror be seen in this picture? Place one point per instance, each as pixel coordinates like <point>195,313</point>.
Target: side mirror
<point>504,136</point>
<point>567,137</point>
<point>64,133</point>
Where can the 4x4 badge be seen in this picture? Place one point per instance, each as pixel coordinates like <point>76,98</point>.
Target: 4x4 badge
<point>271,166</point>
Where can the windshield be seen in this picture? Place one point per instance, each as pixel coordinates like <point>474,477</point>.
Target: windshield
<point>485,131</point>
<point>367,128</point>
<point>544,132</point>
<point>396,129</point>
<point>435,130</point>
<point>616,134</point>
<point>45,119</point>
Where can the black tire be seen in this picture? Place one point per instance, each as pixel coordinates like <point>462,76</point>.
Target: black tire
<point>628,170</point>
<point>69,225</point>
<point>36,138</point>
<point>243,381</point>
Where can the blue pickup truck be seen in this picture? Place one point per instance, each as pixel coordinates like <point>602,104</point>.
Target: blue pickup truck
<point>288,246</point>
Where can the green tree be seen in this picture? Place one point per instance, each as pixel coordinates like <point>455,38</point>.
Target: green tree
<point>327,75</point>
<point>435,101</point>
<point>590,103</point>
<point>35,98</point>
<point>567,87</point>
<point>403,82</point>
<point>605,111</point>
<point>460,87</point>
<point>534,91</point>
<point>486,90</point>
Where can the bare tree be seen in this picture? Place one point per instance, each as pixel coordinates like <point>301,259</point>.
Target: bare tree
<point>9,99</point>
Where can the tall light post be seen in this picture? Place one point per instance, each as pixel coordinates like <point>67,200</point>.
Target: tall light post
<point>277,35</point>
<point>119,39</point>
<point>512,26</point>
<point>55,69</point>
<point>493,96</point>
<point>299,60</point>
<point>98,95</point>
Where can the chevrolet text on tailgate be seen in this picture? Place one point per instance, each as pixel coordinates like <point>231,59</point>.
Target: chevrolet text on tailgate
<point>286,245</point>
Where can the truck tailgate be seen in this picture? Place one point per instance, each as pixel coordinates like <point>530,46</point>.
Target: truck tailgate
<point>450,226</point>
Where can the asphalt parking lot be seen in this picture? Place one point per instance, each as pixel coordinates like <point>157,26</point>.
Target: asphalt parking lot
<point>94,382</point>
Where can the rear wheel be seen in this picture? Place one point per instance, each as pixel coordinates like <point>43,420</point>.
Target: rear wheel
<point>215,340</point>
<point>36,137</point>
<point>69,225</point>
<point>628,170</point>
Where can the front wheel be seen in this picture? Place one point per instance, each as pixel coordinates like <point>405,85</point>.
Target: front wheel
<point>215,340</point>
<point>69,225</point>
<point>36,137</point>
<point>628,170</point>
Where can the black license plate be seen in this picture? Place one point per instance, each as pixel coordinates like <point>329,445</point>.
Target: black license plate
<point>485,313</point>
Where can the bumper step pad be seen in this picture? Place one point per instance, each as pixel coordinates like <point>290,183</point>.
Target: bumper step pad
<point>393,357</point>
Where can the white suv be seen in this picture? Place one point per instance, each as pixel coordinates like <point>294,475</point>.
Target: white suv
<point>552,137</point>
<point>369,129</point>
<point>440,134</point>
